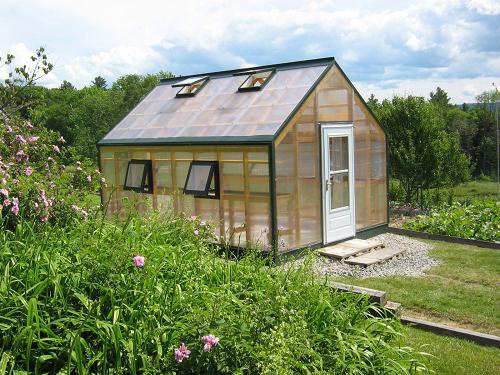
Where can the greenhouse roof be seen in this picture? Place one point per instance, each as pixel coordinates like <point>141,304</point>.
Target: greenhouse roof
<point>234,106</point>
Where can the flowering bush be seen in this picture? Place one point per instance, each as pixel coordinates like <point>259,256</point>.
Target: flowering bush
<point>40,178</point>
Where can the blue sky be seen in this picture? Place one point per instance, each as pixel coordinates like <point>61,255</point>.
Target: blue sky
<point>385,47</point>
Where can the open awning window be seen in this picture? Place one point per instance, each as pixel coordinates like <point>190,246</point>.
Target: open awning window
<point>139,176</point>
<point>203,179</point>
<point>190,86</point>
<point>256,80</point>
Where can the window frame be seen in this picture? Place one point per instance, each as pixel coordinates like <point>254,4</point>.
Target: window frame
<point>212,174</point>
<point>147,170</point>
<point>202,81</point>
<point>250,73</point>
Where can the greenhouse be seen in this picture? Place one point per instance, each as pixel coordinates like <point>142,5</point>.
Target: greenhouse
<point>281,156</point>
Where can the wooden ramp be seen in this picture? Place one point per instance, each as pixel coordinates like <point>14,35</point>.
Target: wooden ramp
<point>374,257</point>
<point>360,252</point>
<point>349,248</point>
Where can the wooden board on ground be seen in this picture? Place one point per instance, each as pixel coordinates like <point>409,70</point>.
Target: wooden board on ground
<point>374,257</point>
<point>349,248</point>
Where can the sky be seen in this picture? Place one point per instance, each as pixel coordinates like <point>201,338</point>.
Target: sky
<point>385,47</point>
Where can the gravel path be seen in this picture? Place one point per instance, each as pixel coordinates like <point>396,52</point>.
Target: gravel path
<point>413,262</point>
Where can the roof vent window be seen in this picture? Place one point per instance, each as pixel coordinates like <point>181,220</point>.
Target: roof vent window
<point>256,80</point>
<point>190,86</point>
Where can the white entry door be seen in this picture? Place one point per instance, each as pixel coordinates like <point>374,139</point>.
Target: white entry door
<point>338,182</point>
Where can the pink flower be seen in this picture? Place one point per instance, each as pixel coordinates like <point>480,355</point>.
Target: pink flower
<point>33,139</point>
<point>78,162</point>
<point>15,206</point>
<point>193,217</point>
<point>78,168</point>
<point>62,140</point>
<point>28,125</point>
<point>138,261</point>
<point>6,202</point>
<point>209,342</point>
<point>44,218</point>
<point>196,232</point>
<point>50,159</point>
<point>203,223</point>
<point>56,149</point>
<point>4,192</point>
<point>9,129</point>
<point>28,171</point>
<point>181,353</point>
<point>20,139</point>
<point>89,178</point>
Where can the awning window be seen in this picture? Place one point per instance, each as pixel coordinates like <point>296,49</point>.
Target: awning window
<point>256,80</point>
<point>203,179</point>
<point>139,176</point>
<point>190,86</point>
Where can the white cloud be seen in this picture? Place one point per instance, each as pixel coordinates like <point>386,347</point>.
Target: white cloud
<point>111,63</point>
<point>490,7</point>
<point>461,90</point>
<point>377,43</point>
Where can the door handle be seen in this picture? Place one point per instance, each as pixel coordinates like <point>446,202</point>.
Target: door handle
<point>328,184</point>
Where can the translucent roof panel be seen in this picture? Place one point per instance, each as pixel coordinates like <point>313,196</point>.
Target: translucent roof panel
<point>218,112</point>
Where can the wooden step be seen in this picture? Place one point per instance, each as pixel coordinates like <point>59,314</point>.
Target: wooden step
<point>374,296</point>
<point>374,257</point>
<point>349,248</point>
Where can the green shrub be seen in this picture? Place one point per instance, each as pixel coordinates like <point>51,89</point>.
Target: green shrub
<point>479,220</point>
<point>72,301</point>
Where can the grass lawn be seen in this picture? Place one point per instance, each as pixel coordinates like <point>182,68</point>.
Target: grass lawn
<point>454,356</point>
<point>461,291</point>
<point>476,190</point>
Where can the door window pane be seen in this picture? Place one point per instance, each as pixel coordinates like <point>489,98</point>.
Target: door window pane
<point>339,192</point>
<point>339,154</point>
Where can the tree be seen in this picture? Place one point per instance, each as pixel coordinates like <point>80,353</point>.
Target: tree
<point>99,82</point>
<point>16,91</point>
<point>440,97</point>
<point>421,154</point>
<point>134,87</point>
<point>66,85</point>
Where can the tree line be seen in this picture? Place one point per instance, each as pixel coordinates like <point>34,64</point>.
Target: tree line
<point>434,144</point>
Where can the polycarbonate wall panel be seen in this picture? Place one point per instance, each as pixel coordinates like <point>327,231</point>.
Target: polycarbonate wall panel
<point>370,169</point>
<point>218,110</point>
<point>298,184</point>
<point>243,211</point>
<point>298,199</point>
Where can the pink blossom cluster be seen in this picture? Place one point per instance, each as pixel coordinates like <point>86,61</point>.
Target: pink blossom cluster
<point>182,352</point>
<point>138,261</point>
<point>209,342</point>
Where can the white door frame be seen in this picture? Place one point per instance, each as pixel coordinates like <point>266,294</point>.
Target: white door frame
<point>340,129</point>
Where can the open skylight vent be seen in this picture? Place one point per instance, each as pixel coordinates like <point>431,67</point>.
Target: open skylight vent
<point>256,79</point>
<point>190,86</point>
